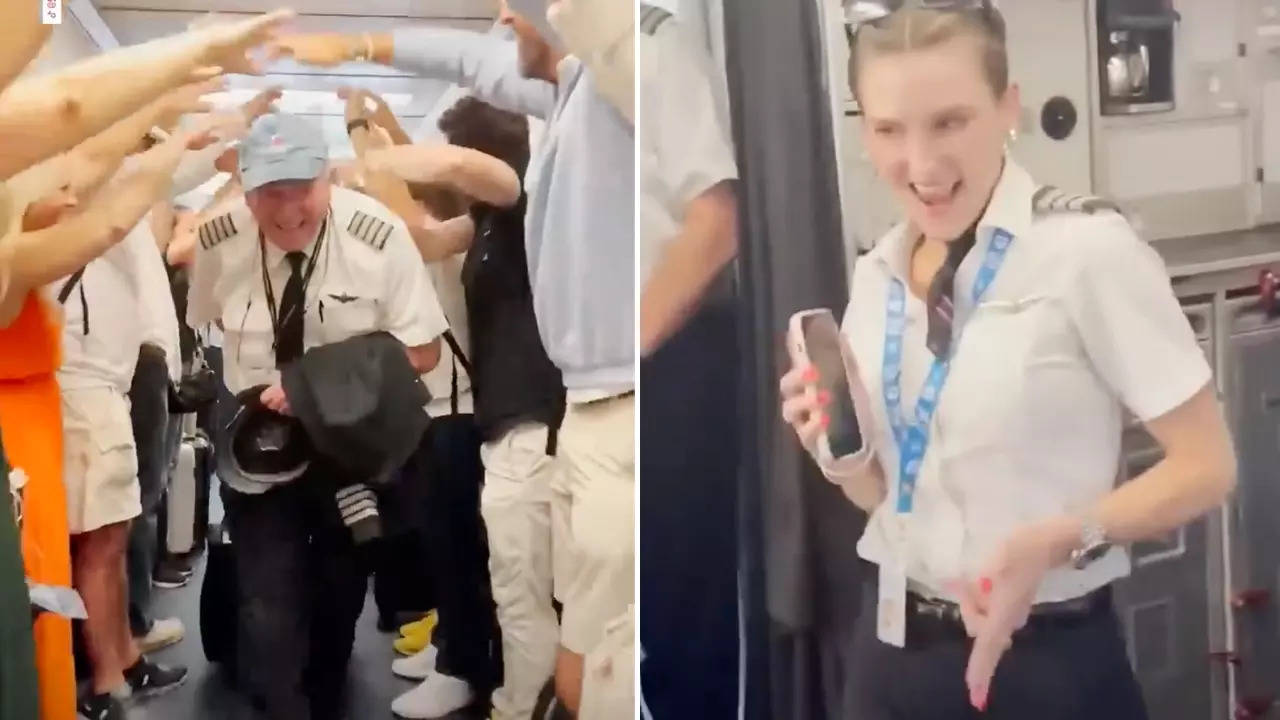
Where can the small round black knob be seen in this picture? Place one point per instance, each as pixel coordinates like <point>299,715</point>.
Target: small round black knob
<point>1058,118</point>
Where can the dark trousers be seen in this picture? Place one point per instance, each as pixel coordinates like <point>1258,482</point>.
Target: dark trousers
<point>208,419</point>
<point>1059,670</point>
<point>302,585</point>
<point>149,412</point>
<point>467,637</point>
<point>688,568</point>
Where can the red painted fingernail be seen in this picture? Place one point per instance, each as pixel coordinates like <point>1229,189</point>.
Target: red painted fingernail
<point>824,397</point>
<point>985,584</point>
<point>826,420</point>
<point>811,375</point>
<point>979,699</point>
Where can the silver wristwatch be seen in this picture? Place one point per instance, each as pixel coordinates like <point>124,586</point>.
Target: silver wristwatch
<point>1093,544</point>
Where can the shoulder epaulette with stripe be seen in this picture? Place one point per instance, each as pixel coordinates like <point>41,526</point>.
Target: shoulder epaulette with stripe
<point>215,231</point>
<point>651,18</point>
<point>1049,200</point>
<point>370,230</point>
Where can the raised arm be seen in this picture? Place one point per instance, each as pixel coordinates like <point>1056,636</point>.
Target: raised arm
<point>470,172</point>
<point>39,257</point>
<point>483,63</point>
<point>435,240</point>
<point>25,35</point>
<point>43,116</point>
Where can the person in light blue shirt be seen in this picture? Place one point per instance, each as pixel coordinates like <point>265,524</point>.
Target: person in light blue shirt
<point>580,243</point>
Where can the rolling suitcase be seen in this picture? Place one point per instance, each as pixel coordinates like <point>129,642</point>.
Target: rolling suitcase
<point>187,502</point>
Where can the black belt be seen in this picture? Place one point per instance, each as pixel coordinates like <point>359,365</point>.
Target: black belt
<point>930,619</point>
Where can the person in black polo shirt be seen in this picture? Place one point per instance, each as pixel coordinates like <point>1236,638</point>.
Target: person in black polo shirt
<point>519,402</point>
<point>517,392</point>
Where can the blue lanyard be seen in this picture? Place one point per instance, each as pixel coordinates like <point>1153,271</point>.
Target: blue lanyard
<point>913,439</point>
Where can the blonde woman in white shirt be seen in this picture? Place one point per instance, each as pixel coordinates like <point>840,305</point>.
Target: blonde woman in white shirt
<point>998,534</point>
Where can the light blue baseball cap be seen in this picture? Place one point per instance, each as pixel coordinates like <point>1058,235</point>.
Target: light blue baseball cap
<point>281,147</point>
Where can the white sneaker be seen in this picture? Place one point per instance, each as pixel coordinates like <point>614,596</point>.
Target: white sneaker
<point>164,633</point>
<point>416,667</point>
<point>437,696</point>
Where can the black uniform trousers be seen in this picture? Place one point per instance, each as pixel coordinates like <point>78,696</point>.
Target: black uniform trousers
<point>688,509</point>
<point>1057,669</point>
<point>302,584</point>
<point>467,638</point>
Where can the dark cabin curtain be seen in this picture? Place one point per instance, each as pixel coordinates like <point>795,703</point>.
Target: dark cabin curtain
<point>800,574</point>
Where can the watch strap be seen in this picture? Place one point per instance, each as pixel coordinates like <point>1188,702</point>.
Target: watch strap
<point>358,123</point>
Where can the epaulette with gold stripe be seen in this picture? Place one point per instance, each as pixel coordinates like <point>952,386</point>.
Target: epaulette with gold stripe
<point>217,230</point>
<point>370,230</point>
<point>1049,199</point>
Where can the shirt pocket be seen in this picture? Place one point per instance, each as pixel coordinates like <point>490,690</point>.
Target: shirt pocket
<point>1004,348</point>
<point>116,460</point>
<point>344,313</point>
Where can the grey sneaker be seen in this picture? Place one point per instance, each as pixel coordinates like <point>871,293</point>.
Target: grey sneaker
<point>147,679</point>
<point>100,707</point>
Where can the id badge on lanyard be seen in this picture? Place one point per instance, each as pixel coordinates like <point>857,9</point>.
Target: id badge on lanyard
<point>912,437</point>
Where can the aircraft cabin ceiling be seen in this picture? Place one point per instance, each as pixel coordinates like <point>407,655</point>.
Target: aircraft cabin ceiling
<point>310,91</point>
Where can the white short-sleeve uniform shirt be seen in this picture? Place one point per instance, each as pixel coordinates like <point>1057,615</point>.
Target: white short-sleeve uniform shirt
<point>1080,323</point>
<point>368,277</point>
<point>685,141</point>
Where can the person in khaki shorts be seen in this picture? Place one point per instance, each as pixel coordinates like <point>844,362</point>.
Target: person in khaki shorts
<point>99,459</point>
<point>106,318</point>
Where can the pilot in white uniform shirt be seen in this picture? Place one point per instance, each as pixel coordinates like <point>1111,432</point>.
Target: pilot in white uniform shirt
<point>689,623</point>
<point>685,140</point>
<point>366,276</point>
<point>1079,324</point>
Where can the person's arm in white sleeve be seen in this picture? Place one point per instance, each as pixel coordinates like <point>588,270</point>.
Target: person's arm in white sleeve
<point>410,308</point>
<point>160,320</point>
<point>1140,344</point>
<point>203,305</point>
<point>481,62</point>
<point>696,158</point>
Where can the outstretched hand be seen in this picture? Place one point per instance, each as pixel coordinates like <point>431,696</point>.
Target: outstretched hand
<point>230,45</point>
<point>998,603</point>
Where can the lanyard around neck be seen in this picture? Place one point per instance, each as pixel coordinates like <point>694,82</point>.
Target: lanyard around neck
<point>269,290</point>
<point>913,438</point>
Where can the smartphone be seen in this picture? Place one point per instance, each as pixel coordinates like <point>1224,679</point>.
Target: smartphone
<point>815,340</point>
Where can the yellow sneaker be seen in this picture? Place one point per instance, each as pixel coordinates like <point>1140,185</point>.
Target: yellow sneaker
<point>418,636</point>
<point>425,625</point>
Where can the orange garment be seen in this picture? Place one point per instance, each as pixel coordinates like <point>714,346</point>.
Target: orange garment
<point>31,422</point>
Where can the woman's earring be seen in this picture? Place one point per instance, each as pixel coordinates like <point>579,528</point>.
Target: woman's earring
<point>1011,139</point>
